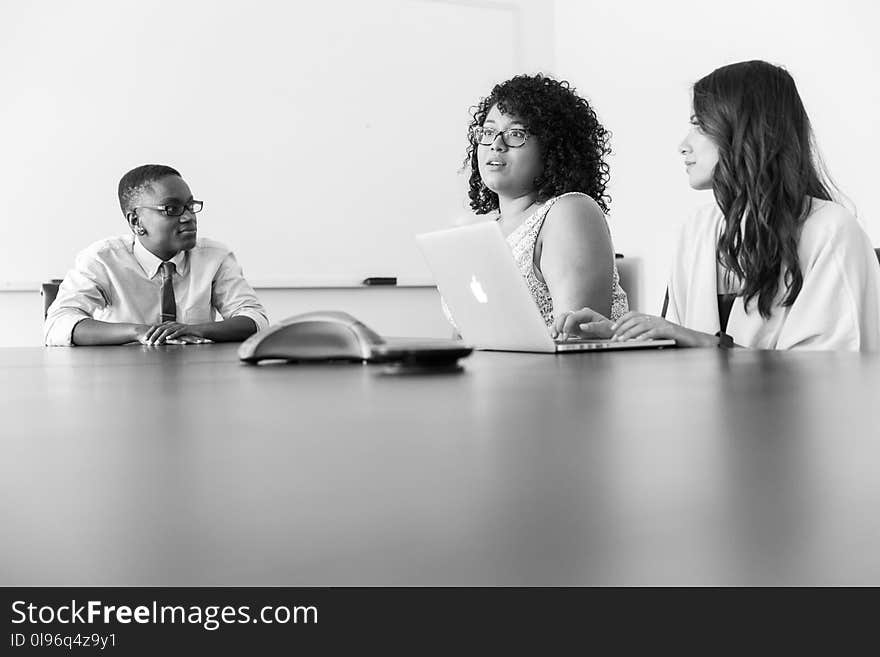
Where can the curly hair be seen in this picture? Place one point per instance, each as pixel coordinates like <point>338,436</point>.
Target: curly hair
<point>573,143</point>
<point>767,172</point>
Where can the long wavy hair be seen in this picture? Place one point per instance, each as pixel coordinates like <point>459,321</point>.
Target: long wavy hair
<point>573,143</point>
<point>768,171</point>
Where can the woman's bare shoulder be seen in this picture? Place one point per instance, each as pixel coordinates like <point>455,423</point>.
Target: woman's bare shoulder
<point>574,212</point>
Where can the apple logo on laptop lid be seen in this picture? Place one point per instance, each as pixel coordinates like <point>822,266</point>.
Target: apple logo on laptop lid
<point>478,291</point>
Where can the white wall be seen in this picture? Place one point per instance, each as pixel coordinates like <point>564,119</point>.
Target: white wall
<point>404,311</point>
<point>637,59</point>
<point>341,121</point>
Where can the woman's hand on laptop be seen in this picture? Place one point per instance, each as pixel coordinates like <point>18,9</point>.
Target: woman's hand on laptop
<point>638,326</point>
<point>587,323</point>
<point>583,323</point>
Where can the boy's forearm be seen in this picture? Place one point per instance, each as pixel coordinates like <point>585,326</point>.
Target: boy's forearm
<point>90,332</point>
<point>233,329</point>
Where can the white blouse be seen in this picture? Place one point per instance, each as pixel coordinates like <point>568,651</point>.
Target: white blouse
<point>838,306</point>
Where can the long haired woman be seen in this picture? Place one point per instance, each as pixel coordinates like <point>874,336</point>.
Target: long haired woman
<point>773,262</point>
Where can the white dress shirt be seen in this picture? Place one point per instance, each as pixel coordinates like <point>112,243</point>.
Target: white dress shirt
<point>118,280</point>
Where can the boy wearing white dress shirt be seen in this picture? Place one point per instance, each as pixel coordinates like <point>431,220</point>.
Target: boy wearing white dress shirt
<point>160,284</point>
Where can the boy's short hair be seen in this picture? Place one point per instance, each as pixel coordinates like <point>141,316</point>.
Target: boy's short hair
<point>137,180</point>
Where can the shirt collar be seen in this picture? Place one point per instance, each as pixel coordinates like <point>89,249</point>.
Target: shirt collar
<point>151,264</point>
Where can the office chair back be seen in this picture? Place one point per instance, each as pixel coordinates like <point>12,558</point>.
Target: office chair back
<point>49,291</point>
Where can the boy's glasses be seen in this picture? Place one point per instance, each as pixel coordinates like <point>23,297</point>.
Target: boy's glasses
<point>512,137</point>
<point>175,210</point>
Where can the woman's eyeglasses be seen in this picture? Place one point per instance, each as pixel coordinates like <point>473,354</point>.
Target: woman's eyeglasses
<point>512,137</point>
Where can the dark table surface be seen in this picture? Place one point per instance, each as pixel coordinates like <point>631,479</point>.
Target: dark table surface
<point>180,466</point>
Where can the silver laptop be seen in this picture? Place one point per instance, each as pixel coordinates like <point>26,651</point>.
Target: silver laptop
<point>488,297</point>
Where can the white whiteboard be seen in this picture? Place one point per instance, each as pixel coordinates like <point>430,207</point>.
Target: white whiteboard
<point>321,136</point>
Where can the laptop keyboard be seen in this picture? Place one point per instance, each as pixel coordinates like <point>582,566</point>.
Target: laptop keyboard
<point>580,341</point>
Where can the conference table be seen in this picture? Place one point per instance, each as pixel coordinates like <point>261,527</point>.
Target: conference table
<point>182,466</point>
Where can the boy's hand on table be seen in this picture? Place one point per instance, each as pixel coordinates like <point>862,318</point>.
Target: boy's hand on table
<point>187,339</point>
<point>170,333</point>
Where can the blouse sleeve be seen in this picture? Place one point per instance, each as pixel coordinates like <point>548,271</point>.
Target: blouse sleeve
<point>838,306</point>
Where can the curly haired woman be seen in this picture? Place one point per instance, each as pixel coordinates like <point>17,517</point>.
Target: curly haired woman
<point>774,262</point>
<point>537,158</point>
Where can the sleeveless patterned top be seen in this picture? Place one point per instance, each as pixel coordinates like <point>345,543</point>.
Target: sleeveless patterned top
<point>522,243</point>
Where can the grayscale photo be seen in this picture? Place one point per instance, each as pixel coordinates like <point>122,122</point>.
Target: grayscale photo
<point>317,313</point>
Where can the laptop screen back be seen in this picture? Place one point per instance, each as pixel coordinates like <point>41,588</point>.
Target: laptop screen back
<point>483,289</point>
